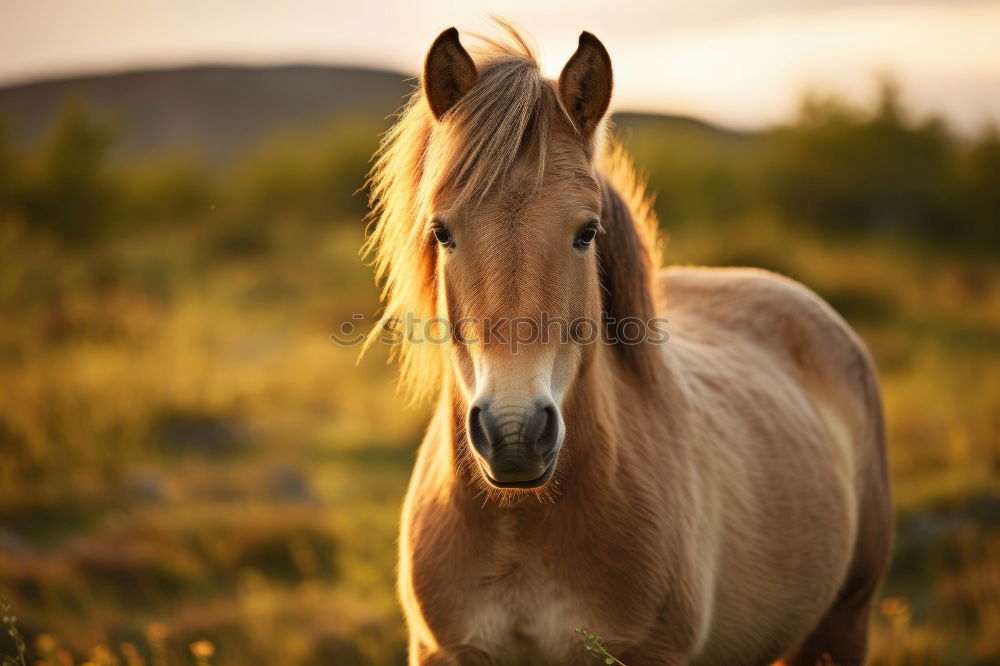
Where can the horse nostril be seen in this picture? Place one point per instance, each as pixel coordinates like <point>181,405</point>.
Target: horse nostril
<point>543,431</point>
<point>479,430</point>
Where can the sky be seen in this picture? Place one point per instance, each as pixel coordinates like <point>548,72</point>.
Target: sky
<point>742,63</point>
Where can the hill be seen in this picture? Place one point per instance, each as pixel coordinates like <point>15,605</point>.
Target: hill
<point>213,110</point>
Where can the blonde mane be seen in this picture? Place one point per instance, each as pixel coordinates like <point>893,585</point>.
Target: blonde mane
<point>507,116</point>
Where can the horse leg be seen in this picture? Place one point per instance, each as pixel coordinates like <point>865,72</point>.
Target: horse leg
<point>461,656</point>
<point>655,652</point>
<point>665,659</point>
<point>841,637</point>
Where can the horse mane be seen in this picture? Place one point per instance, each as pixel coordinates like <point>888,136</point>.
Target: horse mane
<point>508,115</point>
<point>629,253</point>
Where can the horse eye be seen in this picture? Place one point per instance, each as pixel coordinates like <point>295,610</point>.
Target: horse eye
<point>585,236</point>
<point>443,236</point>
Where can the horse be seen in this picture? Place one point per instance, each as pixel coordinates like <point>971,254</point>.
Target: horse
<point>721,497</point>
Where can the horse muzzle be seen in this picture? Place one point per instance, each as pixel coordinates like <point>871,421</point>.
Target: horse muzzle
<point>516,446</point>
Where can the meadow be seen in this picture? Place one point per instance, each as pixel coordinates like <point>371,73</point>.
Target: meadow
<point>186,456</point>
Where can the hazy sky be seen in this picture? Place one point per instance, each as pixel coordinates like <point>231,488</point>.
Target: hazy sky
<point>739,62</point>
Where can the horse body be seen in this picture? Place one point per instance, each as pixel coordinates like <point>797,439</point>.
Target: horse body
<point>727,528</point>
<point>719,499</point>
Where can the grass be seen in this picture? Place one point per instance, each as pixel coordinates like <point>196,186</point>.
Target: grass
<point>595,645</point>
<point>50,653</point>
<point>192,451</point>
<point>182,447</point>
<point>10,626</point>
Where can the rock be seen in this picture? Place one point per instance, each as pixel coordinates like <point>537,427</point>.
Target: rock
<point>287,484</point>
<point>12,543</point>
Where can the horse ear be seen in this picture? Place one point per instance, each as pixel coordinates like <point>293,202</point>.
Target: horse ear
<point>449,72</point>
<point>585,84</point>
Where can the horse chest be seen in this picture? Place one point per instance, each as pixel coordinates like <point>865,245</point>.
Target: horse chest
<point>517,604</point>
<point>522,614</point>
<point>516,587</point>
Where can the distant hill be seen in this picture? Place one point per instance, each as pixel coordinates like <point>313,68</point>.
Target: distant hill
<point>218,111</point>
<point>215,110</point>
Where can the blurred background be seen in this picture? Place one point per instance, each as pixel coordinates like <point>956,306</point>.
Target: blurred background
<point>187,459</point>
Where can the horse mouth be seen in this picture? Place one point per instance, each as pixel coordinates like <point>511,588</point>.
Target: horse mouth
<point>537,482</point>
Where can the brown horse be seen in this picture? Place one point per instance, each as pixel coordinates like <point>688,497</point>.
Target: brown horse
<point>718,499</point>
